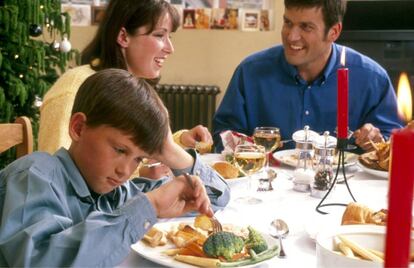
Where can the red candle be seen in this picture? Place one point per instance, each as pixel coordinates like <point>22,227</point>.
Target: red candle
<point>342,113</point>
<point>400,197</point>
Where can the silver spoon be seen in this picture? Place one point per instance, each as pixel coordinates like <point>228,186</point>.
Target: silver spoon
<point>279,229</point>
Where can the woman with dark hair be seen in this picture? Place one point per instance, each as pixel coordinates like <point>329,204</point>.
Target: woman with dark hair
<point>133,35</point>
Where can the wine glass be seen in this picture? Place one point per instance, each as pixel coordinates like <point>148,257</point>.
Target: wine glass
<point>269,138</point>
<point>250,158</point>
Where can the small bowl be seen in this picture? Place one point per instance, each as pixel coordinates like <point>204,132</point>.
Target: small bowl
<point>367,236</point>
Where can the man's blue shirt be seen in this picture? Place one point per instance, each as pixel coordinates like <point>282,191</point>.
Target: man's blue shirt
<point>266,90</point>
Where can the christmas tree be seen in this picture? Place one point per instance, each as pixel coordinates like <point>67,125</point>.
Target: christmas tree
<point>34,51</point>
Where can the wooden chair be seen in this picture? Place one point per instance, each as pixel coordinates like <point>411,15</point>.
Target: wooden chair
<point>17,134</point>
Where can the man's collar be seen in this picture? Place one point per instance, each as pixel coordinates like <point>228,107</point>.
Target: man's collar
<point>329,68</point>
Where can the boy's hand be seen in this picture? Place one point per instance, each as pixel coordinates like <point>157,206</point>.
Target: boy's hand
<point>177,197</point>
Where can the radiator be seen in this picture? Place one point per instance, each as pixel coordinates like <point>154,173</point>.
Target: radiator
<point>189,105</point>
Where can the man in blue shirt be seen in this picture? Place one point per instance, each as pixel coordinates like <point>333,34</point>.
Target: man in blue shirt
<point>78,207</point>
<point>295,84</point>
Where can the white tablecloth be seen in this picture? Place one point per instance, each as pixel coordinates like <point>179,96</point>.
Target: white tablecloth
<point>298,210</point>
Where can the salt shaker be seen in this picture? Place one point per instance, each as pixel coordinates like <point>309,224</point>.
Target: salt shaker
<point>304,174</point>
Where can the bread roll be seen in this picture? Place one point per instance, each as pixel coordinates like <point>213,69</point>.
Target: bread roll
<point>203,147</point>
<point>356,213</point>
<point>226,170</point>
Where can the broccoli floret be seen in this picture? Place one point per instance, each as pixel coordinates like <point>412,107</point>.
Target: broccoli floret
<point>223,244</point>
<point>255,241</point>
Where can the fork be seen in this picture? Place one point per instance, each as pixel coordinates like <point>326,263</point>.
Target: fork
<point>217,227</point>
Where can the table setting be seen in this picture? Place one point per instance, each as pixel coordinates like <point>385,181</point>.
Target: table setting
<point>296,209</point>
<point>305,205</point>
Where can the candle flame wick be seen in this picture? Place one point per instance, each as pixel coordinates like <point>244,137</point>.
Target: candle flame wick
<point>404,98</point>
<point>343,56</point>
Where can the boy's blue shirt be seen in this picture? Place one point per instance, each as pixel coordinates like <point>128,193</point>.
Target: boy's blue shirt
<point>49,217</point>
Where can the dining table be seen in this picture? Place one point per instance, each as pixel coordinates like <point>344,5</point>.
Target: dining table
<point>297,209</point>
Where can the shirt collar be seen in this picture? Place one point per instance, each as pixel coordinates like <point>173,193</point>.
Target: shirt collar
<point>75,178</point>
<point>329,68</point>
<point>332,62</point>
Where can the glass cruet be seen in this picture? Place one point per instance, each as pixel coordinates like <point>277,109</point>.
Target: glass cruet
<point>325,148</point>
<point>303,174</point>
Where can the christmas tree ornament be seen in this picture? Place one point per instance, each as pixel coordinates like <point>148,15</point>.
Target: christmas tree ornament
<point>35,30</point>
<point>55,45</point>
<point>37,102</point>
<point>65,45</point>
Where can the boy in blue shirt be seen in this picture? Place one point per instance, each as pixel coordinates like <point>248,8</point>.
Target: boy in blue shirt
<point>77,207</point>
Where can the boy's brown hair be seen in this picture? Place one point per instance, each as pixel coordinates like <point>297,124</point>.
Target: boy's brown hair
<point>115,98</point>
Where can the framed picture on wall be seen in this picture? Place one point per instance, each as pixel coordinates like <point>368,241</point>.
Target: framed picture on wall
<point>97,14</point>
<point>202,18</point>
<point>188,19</point>
<point>250,20</point>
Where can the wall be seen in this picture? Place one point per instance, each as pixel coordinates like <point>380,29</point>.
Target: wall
<point>204,56</point>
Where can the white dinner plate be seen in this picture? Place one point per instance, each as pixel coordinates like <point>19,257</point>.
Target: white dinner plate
<point>155,254</point>
<point>378,173</point>
<point>288,157</point>
<point>209,159</point>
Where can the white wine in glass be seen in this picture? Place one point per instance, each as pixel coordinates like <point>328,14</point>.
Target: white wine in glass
<point>250,158</point>
<point>269,138</point>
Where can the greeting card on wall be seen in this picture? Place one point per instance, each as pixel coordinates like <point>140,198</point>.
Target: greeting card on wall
<point>202,17</point>
<point>251,20</point>
<point>231,19</point>
<point>80,15</point>
<point>218,19</point>
<point>265,19</point>
<point>188,19</point>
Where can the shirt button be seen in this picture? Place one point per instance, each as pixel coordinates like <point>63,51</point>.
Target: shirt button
<point>307,112</point>
<point>147,224</point>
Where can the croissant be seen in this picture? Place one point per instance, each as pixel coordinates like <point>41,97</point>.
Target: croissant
<point>356,213</point>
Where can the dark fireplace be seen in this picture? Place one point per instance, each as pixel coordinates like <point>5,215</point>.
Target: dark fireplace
<point>383,30</point>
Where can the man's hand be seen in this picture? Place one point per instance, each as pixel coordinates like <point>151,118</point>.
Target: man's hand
<point>196,134</point>
<point>366,135</point>
<point>177,197</point>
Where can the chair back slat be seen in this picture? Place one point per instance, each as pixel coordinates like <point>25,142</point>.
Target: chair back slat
<point>17,134</point>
